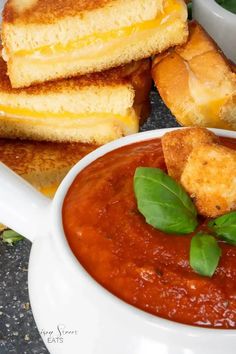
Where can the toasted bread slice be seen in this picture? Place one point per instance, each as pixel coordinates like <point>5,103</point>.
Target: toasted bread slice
<point>178,145</point>
<point>197,83</point>
<point>209,177</point>
<point>45,40</point>
<point>94,108</point>
<point>44,165</point>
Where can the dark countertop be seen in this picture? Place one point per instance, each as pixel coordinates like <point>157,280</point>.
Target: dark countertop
<point>18,332</point>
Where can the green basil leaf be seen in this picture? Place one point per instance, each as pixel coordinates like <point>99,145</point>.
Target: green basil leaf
<point>163,202</point>
<point>190,11</point>
<point>225,227</point>
<point>229,5</point>
<point>204,254</point>
<point>10,237</point>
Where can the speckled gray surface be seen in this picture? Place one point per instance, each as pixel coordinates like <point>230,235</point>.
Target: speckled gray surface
<point>18,332</point>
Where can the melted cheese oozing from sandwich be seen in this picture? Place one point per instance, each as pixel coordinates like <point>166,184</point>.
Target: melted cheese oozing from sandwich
<point>171,11</point>
<point>129,121</point>
<point>49,191</point>
<point>210,100</point>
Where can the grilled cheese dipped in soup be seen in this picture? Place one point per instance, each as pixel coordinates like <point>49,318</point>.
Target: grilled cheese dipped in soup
<point>142,265</point>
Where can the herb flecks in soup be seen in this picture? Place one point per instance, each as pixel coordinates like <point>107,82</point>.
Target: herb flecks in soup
<point>140,264</point>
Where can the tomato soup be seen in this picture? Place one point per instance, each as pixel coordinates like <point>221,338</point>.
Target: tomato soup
<point>141,265</point>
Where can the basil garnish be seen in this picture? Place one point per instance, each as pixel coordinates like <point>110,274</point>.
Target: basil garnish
<point>225,227</point>
<point>10,237</point>
<point>163,202</point>
<point>204,254</point>
<point>229,5</point>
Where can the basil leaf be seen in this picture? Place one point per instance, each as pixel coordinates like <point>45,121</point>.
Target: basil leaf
<point>204,254</point>
<point>10,237</point>
<point>163,202</point>
<point>229,5</point>
<point>190,11</point>
<point>225,227</point>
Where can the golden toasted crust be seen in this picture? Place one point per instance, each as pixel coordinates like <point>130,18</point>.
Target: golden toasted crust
<point>209,177</point>
<point>48,11</point>
<point>33,160</point>
<point>233,67</point>
<point>196,82</point>
<point>44,165</point>
<point>178,145</point>
<point>118,76</point>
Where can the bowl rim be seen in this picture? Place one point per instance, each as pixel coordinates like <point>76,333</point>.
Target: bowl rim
<point>216,8</point>
<point>73,265</point>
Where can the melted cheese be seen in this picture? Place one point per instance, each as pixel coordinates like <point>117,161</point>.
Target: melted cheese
<point>23,112</point>
<point>172,9</point>
<point>49,191</point>
<point>129,121</point>
<point>212,111</point>
<point>209,100</point>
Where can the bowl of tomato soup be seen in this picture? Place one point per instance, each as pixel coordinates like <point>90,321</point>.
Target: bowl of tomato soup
<point>141,265</point>
<point>117,283</point>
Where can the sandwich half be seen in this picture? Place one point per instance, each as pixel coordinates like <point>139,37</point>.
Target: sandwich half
<point>47,39</point>
<point>94,108</point>
<point>197,82</point>
<point>42,164</point>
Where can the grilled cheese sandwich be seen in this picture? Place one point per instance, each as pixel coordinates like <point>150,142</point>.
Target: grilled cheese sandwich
<point>42,164</point>
<point>197,83</point>
<point>104,36</point>
<point>94,108</point>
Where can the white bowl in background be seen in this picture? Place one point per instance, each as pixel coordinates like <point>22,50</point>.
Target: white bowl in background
<point>219,23</point>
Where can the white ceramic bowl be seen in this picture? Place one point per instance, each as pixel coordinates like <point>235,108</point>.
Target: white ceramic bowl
<point>219,23</point>
<point>64,295</point>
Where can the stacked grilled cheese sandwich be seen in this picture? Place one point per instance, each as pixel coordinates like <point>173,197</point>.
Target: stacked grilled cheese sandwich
<point>47,39</point>
<point>79,70</point>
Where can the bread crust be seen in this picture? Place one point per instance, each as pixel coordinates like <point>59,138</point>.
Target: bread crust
<point>29,159</point>
<point>42,164</point>
<point>197,82</point>
<point>122,75</point>
<point>209,177</point>
<point>178,145</point>
<point>48,11</point>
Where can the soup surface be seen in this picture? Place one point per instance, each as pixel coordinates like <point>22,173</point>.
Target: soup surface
<point>141,265</point>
